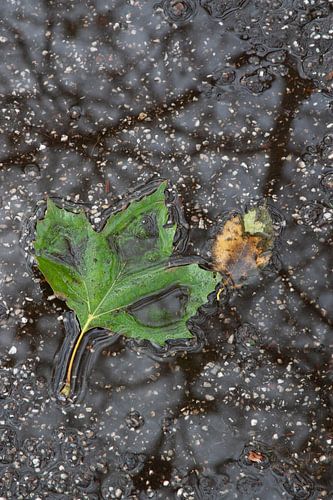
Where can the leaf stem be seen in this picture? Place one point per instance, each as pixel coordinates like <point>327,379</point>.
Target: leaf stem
<point>66,389</point>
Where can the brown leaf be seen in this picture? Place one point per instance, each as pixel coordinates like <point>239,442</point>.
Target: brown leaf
<point>238,253</point>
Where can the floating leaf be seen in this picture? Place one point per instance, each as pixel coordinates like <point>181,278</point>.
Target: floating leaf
<point>244,245</point>
<point>258,221</point>
<point>124,277</point>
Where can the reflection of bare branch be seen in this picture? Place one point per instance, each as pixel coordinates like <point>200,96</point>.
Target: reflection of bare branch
<point>296,91</point>
<point>305,298</point>
<point>21,158</point>
<point>23,45</point>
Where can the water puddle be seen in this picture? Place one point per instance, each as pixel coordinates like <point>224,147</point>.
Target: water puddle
<point>232,103</point>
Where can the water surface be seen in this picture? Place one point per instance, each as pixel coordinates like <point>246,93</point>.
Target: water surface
<point>232,101</point>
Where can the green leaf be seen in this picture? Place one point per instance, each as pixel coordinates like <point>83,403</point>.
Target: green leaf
<point>124,277</point>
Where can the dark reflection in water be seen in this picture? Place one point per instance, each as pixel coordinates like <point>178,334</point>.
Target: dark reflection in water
<point>231,101</point>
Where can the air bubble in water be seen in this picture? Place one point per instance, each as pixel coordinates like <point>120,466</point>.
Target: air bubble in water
<point>116,485</point>
<point>84,478</point>
<point>299,486</point>
<point>75,112</point>
<point>32,171</point>
<point>249,485</point>
<point>247,336</point>
<point>5,384</point>
<point>8,445</point>
<point>132,462</point>
<point>327,182</point>
<point>134,420</point>
<point>29,483</point>
<point>3,311</point>
<point>39,452</point>
<point>179,11</point>
<point>312,214</point>
<point>8,482</point>
<point>211,487</point>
